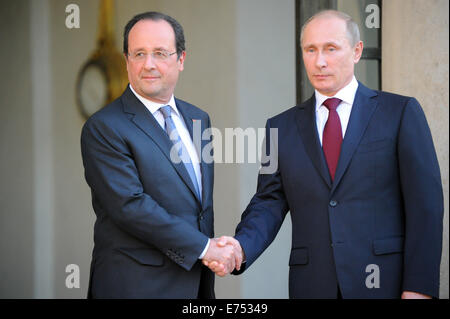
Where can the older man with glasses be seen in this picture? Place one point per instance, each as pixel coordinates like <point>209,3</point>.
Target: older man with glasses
<point>154,211</point>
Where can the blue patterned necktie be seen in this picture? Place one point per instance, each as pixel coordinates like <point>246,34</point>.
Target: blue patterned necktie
<point>182,152</point>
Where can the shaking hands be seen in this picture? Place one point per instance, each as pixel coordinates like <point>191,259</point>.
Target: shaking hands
<point>223,255</point>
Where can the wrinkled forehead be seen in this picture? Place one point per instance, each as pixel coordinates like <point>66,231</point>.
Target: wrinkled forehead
<point>151,34</point>
<point>325,29</point>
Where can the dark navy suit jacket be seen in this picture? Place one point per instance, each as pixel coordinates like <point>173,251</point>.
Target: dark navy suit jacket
<point>384,208</point>
<point>150,227</point>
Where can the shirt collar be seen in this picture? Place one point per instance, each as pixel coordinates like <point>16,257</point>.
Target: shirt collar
<point>346,94</point>
<point>154,107</point>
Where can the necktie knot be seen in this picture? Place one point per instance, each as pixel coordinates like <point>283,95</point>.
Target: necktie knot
<point>332,103</point>
<point>166,111</point>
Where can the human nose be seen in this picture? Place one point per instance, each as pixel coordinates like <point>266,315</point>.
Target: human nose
<point>149,63</point>
<point>321,61</point>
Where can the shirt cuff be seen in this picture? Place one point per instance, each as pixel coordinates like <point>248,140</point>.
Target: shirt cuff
<point>205,250</point>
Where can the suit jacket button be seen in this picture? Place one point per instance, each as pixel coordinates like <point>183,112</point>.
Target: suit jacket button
<point>333,203</point>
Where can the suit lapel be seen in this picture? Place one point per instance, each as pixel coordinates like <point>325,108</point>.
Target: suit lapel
<point>306,122</point>
<point>362,111</point>
<point>205,169</point>
<point>144,120</point>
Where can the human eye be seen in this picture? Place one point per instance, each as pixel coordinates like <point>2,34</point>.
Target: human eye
<point>331,49</point>
<point>139,55</point>
<point>160,54</point>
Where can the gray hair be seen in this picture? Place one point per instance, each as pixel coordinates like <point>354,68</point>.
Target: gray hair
<point>352,26</point>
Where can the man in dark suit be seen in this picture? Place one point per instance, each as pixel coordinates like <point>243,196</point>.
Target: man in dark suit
<point>151,191</point>
<point>358,172</point>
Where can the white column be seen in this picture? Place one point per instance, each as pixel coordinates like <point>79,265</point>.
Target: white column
<point>42,149</point>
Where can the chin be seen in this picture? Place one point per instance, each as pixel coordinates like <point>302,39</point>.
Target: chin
<point>150,91</point>
<point>322,88</point>
<point>325,91</point>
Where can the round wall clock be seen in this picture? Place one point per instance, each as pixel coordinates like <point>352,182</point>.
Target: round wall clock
<point>103,77</point>
<point>92,88</point>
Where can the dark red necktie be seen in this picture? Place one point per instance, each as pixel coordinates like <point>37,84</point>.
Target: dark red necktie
<point>332,135</point>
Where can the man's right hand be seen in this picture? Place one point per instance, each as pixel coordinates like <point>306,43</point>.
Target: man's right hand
<point>221,255</point>
<point>216,265</point>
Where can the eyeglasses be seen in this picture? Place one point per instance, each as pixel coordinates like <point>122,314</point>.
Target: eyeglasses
<point>158,55</point>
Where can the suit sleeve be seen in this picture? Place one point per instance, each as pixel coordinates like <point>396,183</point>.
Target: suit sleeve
<point>423,202</point>
<point>266,211</point>
<point>111,173</point>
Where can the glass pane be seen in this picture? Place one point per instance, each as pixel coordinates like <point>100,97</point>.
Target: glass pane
<point>368,73</point>
<point>357,10</point>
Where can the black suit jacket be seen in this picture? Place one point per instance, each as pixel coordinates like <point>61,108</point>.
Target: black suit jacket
<point>383,211</point>
<point>150,227</point>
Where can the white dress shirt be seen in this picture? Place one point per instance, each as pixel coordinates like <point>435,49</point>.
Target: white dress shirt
<point>347,95</point>
<point>183,132</point>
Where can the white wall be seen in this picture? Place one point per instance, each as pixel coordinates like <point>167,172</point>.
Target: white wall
<point>266,86</point>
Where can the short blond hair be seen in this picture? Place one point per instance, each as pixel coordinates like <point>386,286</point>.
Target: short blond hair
<point>352,27</point>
